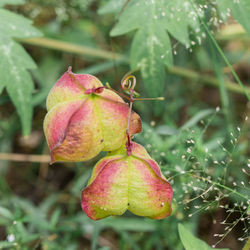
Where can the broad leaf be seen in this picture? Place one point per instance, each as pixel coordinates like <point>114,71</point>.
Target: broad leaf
<point>19,85</point>
<point>13,25</point>
<point>190,242</point>
<point>240,10</point>
<point>152,58</point>
<point>15,62</point>
<point>151,49</point>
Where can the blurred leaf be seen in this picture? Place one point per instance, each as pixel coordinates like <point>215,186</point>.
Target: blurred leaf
<point>240,10</point>
<point>6,244</point>
<point>112,6</point>
<point>55,218</point>
<point>14,64</point>
<point>100,67</point>
<point>165,130</point>
<point>190,242</point>
<point>197,117</point>
<point>48,202</point>
<point>47,74</point>
<point>11,2</point>
<point>95,237</point>
<point>80,182</point>
<point>129,224</point>
<point>6,213</point>
<point>29,237</point>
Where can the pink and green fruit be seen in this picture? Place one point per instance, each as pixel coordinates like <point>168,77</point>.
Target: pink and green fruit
<point>81,122</point>
<point>120,182</point>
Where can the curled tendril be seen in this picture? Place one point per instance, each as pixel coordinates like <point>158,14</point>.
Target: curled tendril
<point>128,83</point>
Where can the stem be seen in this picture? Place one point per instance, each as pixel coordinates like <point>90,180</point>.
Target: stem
<point>226,60</point>
<point>24,157</point>
<point>150,99</point>
<point>72,48</point>
<point>129,116</point>
<point>118,93</point>
<point>128,145</point>
<point>83,50</point>
<point>222,186</point>
<point>137,99</point>
<point>206,79</point>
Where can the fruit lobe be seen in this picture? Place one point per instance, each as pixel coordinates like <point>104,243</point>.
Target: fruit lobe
<point>120,182</point>
<point>79,123</point>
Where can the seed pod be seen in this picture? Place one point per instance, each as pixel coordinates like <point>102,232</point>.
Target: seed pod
<point>120,182</point>
<point>84,118</point>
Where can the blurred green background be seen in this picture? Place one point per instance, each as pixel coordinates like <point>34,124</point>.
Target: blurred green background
<point>199,134</point>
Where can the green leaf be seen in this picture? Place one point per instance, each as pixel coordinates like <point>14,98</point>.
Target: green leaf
<point>190,242</point>
<point>240,10</point>
<point>197,117</point>
<point>129,224</point>
<point>6,213</point>
<point>14,64</point>
<point>152,58</point>
<point>113,6</point>
<point>11,2</point>
<point>16,79</point>
<point>13,25</point>
<point>165,130</point>
<point>6,244</point>
<point>151,49</point>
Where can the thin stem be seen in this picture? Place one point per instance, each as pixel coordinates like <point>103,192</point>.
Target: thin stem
<point>128,145</point>
<point>221,53</point>
<point>222,186</point>
<point>24,157</point>
<point>136,99</point>
<point>72,48</point>
<point>83,50</point>
<point>226,60</point>
<point>150,99</point>
<point>205,79</point>
<point>129,116</point>
<point>118,93</point>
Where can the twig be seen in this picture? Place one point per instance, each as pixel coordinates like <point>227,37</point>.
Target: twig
<point>24,157</point>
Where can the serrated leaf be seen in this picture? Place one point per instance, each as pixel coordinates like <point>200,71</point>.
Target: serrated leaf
<point>11,2</point>
<point>240,10</point>
<point>190,242</point>
<point>13,25</point>
<point>152,58</point>
<point>14,64</point>
<point>16,79</point>
<point>151,49</point>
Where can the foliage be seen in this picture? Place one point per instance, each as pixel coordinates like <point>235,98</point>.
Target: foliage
<point>14,64</point>
<point>151,48</point>
<point>239,9</point>
<point>190,242</point>
<point>199,135</point>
